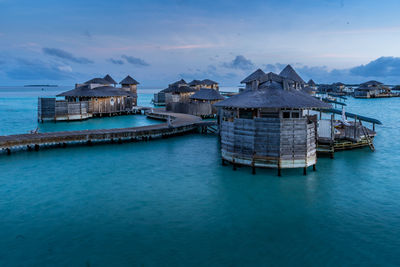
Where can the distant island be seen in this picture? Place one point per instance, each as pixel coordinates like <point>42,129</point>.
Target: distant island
<point>40,85</point>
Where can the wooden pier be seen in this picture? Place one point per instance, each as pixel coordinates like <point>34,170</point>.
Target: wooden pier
<point>177,124</point>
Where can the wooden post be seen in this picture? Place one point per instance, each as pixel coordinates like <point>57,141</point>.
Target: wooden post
<point>355,128</point>
<point>305,171</point>
<point>314,168</point>
<point>279,171</point>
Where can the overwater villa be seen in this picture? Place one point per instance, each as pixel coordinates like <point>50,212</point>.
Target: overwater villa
<point>206,83</point>
<point>268,126</point>
<point>334,89</point>
<point>292,78</point>
<point>95,98</point>
<point>181,90</point>
<point>372,89</point>
<point>275,125</point>
<point>201,103</point>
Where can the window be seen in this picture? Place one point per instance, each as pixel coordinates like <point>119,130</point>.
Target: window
<point>246,114</point>
<point>286,114</point>
<point>295,115</point>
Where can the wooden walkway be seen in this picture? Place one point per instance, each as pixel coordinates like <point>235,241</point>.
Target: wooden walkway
<point>179,124</point>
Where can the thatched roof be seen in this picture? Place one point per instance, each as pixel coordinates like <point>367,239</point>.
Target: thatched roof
<point>208,82</point>
<point>195,82</point>
<point>311,83</point>
<point>272,95</point>
<point>254,76</point>
<point>109,79</point>
<point>270,76</point>
<point>102,91</point>
<point>289,73</point>
<point>207,94</point>
<point>372,83</point>
<point>97,81</point>
<point>129,81</point>
<point>338,84</point>
<point>180,82</point>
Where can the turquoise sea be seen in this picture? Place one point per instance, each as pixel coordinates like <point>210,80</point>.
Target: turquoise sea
<point>169,202</point>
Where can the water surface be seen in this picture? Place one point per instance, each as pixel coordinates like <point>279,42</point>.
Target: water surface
<point>170,202</point>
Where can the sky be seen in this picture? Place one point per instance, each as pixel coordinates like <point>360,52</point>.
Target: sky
<point>159,41</point>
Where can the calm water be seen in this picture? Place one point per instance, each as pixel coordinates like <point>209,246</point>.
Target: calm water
<point>170,202</point>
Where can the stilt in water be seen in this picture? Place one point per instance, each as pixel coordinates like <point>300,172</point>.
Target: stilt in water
<point>234,165</point>
<point>279,172</point>
<point>314,168</point>
<point>305,171</point>
<point>36,147</point>
<point>8,151</point>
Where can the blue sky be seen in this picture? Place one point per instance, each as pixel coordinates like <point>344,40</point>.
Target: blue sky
<point>158,42</point>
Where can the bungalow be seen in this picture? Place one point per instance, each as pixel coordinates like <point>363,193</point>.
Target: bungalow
<point>96,97</point>
<point>268,125</point>
<point>161,98</point>
<point>201,103</point>
<point>372,89</point>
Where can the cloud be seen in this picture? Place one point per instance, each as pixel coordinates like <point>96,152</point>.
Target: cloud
<point>116,61</point>
<point>59,53</point>
<point>239,62</point>
<point>381,67</point>
<point>210,72</point>
<point>386,69</point>
<point>38,70</point>
<point>135,61</point>
<point>87,34</point>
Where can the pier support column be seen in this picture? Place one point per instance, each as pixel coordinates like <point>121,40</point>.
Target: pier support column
<point>89,142</point>
<point>8,151</point>
<point>29,147</point>
<point>305,171</point>
<point>234,165</point>
<point>36,147</point>
<point>314,168</point>
<point>253,170</point>
<point>279,172</point>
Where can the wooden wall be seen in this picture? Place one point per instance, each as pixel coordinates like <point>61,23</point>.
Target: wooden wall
<point>52,109</point>
<point>269,142</point>
<point>197,108</point>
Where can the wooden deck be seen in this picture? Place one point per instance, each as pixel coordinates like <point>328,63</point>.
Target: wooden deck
<point>179,124</point>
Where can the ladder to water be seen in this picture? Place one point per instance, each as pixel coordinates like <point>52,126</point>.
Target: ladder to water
<point>367,137</point>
